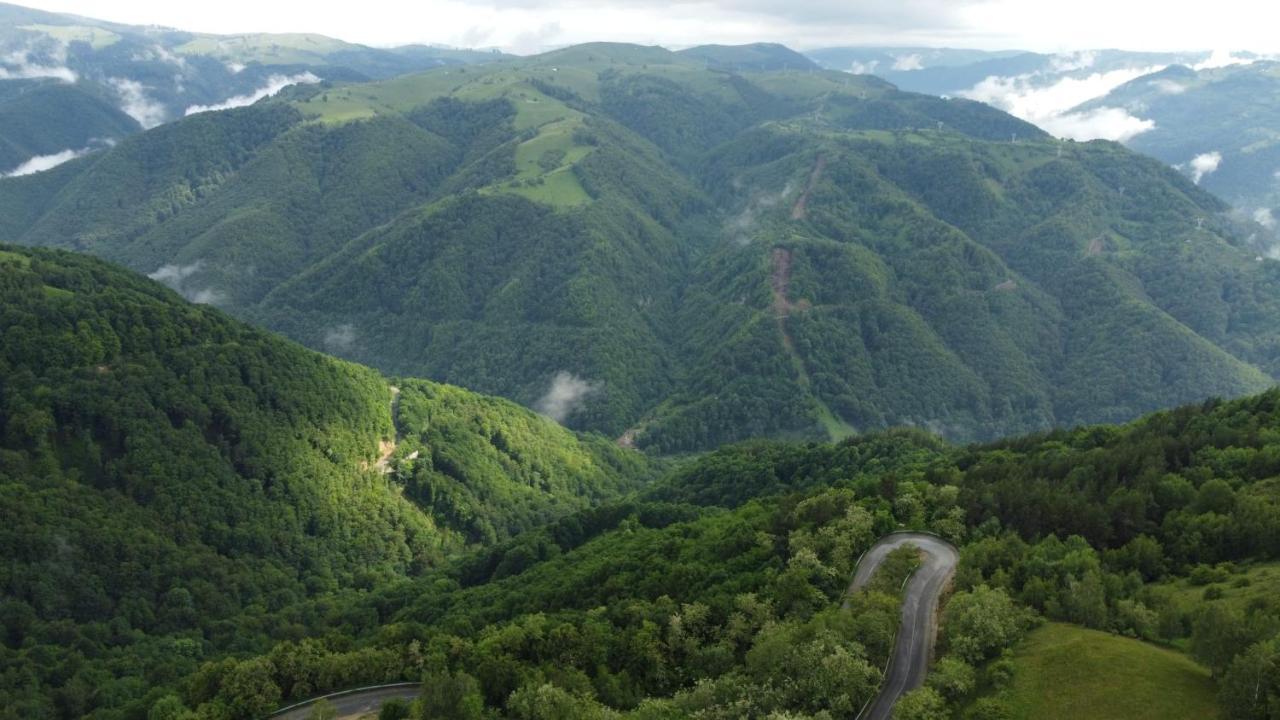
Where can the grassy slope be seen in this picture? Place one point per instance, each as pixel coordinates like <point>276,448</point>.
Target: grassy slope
<point>1070,673</point>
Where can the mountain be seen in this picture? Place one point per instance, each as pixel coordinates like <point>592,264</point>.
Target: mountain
<point>756,56</point>
<point>1219,125</point>
<point>101,80</point>
<point>679,256</point>
<point>969,73</point>
<point>722,591</point>
<point>171,479</point>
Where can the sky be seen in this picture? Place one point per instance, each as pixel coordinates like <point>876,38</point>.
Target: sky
<point>525,26</point>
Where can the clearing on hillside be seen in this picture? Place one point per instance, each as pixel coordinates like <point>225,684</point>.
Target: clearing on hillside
<point>1065,672</point>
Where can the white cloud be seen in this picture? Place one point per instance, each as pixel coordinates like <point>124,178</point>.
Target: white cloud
<point>567,394</point>
<point>135,103</point>
<point>340,337</point>
<point>173,275</point>
<point>1104,123</point>
<point>40,163</point>
<point>1222,58</point>
<point>275,84</point>
<point>1204,164</point>
<point>864,68</point>
<point>236,68</point>
<point>207,296</point>
<point>1265,218</point>
<point>1166,86</point>
<point>908,62</point>
<point>18,65</point>
<point>1047,100</point>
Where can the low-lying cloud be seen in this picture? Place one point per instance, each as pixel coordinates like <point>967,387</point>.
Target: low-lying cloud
<point>135,103</point>
<point>19,65</point>
<point>275,84</point>
<point>177,277</point>
<point>1049,103</point>
<point>40,163</point>
<point>1204,164</point>
<point>567,394</point>
<point>340,338</point>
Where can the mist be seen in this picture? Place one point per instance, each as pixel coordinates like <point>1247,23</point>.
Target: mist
<point>340,338</point>
<point>1050,104</point>
<point>177,278</point>
<point>40,163</point>
<point>135,103</point>
<point>18,65</point>
<point>567,394</point>
<point>1204,164</point>
<point>275,84</point>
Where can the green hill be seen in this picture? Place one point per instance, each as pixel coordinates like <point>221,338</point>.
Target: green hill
<point>680,256</point>
<point>717,592</point>
<point>172,479</point>
<point>1231,111</point>
<point>1063,673</point>
<point>44,118</point>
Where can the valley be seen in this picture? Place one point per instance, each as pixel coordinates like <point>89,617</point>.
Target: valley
<point>544,372</point>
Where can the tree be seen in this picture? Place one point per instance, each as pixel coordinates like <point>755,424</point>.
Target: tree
<point>249,690</point>
<point>322,710</point>
<point>953,678</point>
<point>921,704</point>
<point>394,709</point>
<point>1250,689</point>
<point>979,623</point>
<point>450,697</point>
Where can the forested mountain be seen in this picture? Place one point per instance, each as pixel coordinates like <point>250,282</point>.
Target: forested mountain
<point>69,84</point>
<point>1218,125</point>
<point>717,593</point>
<point>646,244</point>
<point>172,479</point>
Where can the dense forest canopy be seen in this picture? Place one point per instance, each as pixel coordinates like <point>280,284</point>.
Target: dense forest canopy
<point>172,480</point>
<point>688,250</point>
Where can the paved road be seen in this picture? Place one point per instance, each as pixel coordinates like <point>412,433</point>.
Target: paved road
<point>357,703</point>
<point>918,630</point>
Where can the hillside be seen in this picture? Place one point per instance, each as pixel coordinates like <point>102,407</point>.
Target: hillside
<point>643,244</point>
<point>1064,673</point>
<point>71,84</point>
<point>718,592</point>
<point>1241,134</point>
<point>186,477</point>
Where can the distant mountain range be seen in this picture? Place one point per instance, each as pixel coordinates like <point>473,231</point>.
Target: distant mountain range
<point>70,84</point>
<point>678,253</point>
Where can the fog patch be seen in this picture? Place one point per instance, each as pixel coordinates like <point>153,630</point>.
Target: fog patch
<point>235,68</point>
<point>1165,86</point>
<point>135,103</point>
<point>1048,102</point>
<point>567,394</point>
<point>1104,123</point>
<point>340,338</point>
<point>178,277</point>
<point>864,68</point>
<point>1265,218</point>
<point>904,63</point>
<point>19,65</point>
<point>1204,164</point>
<point>741,226</point>
<point>275,83</point>
<point>1222,58</point>
<point>40,163</point>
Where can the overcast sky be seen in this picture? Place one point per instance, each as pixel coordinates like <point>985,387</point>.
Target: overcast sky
<point>531,25</point>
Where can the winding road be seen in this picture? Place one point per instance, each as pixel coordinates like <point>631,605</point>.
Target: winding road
<point>907,667</point>
<point>353,704</point>
<point>914,645</point>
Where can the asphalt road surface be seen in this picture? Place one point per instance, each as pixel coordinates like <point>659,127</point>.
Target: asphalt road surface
<point>356,704</point>
<point>916,634</point>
